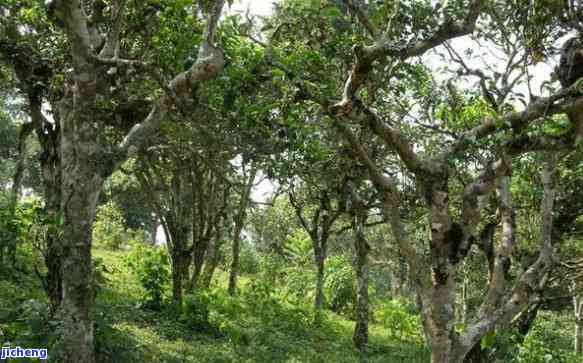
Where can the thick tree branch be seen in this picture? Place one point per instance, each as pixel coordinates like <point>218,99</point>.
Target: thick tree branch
<point>498,280</point>
<point>527,289</point>
<point>365,56</point>
<point>541,107</point>
<point>376,175</point>
<point>209,63</point>
<point>72,14</point>
<point>357,10</point>
<point>111,47</point>
<point>483,185</point>
<point>390,135</point>
<point>523,144</point>
<point>297,209</point>
<point>391,202</point>
<point>25,131</point>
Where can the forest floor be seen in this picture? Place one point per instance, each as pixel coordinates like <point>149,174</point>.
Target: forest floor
<point>127,333</point>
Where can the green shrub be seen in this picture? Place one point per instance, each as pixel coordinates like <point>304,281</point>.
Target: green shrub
<point>98,277</point>
<point>215,312</point>
<point>224,306</point>
<point>271,266</point>
<point>340,286</point>
<point>34,315</point>
<point>150,264</point>
<point>547,341</point>
<point>259,294</point>
<point>109,228</point>
<point>29,324</point>
<point>248,260</point>
<point>401,321</point>
<point>265,303</point>
<point>196,310</point>
<point>299,285</point>
<point>17,221</point>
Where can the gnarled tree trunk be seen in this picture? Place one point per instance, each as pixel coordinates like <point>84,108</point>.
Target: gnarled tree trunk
<point>81,184</point>
<point>319,231</point>
<point>200,247</point>
<point>51,176</point>
<point>239,223</point>
<point>578,307</point>
<point>319,260</point>
<point>52,255</point>
<point>360,336</point>
<point>213,258</point>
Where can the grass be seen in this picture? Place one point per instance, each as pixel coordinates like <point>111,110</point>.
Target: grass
<point>136,335</point>
<point>243,329</point>
<point>253,333</point>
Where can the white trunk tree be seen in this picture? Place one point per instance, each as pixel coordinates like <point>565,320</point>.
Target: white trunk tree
<point>86,162</point>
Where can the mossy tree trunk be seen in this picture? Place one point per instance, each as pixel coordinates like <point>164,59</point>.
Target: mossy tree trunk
<point>86,158</point>
<point>360,336</point>
<point>578,308</point>
<point>248,180</point>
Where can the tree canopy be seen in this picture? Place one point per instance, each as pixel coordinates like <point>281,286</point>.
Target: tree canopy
<point>418,153</point>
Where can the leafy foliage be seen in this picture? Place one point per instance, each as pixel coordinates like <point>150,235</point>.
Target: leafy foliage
<point>195,312</point>
<point>109,228</point>
<point>401,320</point>
<point>340,285</point>
<point>150,265</point>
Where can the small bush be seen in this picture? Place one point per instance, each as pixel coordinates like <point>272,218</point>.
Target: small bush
<point>17,221</point>
<point>109,228</point>
<point>150,264</point>
<point>340,287</point>
<point>30,324</point>
<point>196,310</point>
<point>546,343</point>
<point>98,277</point>
<point>299,285</point>
<point>271,266</point>
<point>403,324</point>
<point>215,312</point>
<point>248,260</point>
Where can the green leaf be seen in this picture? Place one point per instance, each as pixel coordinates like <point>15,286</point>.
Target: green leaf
<point>488,340</point>
<point>331,11</point>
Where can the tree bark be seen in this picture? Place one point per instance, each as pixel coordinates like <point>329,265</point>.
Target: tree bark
<point>81,184</point>
<point>236,251</point>
<point>77,338</point>
<point>211,265</point>
<point>53,252</point>
<point>154,231</point>
<point>578,307</point>
<point>200,251</point>
<point>179,229</point>
<point>51,177</point>
<point>360,336</point>
<point>400,276</point>
<point>239,223</point>
<point>181,257</point>
<point>579,337</point>
<point>79,208</point>
<point>438,299</point>
<point>179,268</point>
<point>214,256</point>
<point>319,259</point>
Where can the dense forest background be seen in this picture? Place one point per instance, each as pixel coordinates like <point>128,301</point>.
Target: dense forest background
<point>336,181</point>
